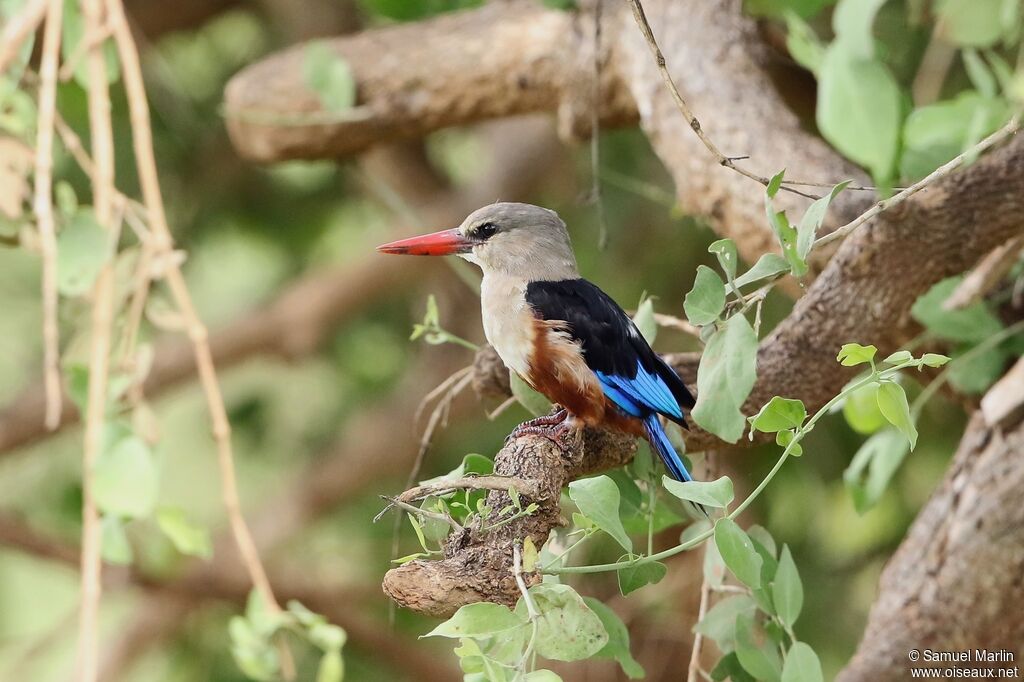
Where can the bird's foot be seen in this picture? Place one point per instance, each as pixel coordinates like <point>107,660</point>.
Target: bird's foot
<point>557,427</point>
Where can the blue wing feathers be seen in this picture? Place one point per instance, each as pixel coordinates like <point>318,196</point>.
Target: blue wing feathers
<point>659,441</point>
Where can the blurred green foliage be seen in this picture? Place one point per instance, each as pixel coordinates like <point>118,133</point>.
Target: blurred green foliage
<point>250,231</point>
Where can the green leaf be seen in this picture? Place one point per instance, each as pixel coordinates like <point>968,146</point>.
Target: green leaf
<point>892,401</point>
<point>713,566</point>
<point>899,357</point>
<point>787,590</point>
<point>188,537</point>
<point>126,480</point>
<point>534,402</point>
<point>728,368</point>
<point>729,668</point>
<point>543,675</point>
<point>803,43</point>
<point>935,133</point>
<point>779,414</point>
<point>632,578</point>
<point>760,536</point>
<point>617,647</point>
<point>725,250</point>
<point>644,320</point>
<point>973,375</point>
<point>115,546</point>
<point>598,499</point>
<point>717,493</point>
<point>971,324</point>
<point>784,438</point>
<point>738,552</point>
<point>853,354</point>
<point>329,75</point>
<point>977,23</point>
<point>755,651</point>
<point>981,76</point>
<point>812,219</point>
<point>482,619</point>
<point>768,265</point>
<point>775,183</point>
<point>802,665</point>
<point>861,410</point>
<point>83,248</point>
<point>860,109</point>
<point>852,21</point>
<point>934,360</point>
<point>873,466</point>
<point>706,300</point>
<point>332,668</point>
<point>719,623</point>
<point>567,629</point>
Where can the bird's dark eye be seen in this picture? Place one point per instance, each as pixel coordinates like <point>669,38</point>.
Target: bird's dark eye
<point>485,230</point>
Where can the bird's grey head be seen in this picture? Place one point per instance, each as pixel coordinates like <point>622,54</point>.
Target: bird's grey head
<point>520,240</point>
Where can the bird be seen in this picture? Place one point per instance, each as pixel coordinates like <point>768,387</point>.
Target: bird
<point>562,335</point>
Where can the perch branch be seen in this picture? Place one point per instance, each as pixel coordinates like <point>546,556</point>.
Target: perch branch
<point>986,275</point>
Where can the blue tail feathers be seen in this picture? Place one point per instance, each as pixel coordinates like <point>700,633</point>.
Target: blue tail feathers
<point>659,441</point>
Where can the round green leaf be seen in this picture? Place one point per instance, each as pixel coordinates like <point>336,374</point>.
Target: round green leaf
<point>706,300</point>
<point>779,414</point>
<point>482,619</point>
<point>567,629</point>
<point>632,578</point>
<point>717,493</point>
<point>728,368</point>
<point>861,410</point>
<point>598,500</point>
<point>83,248</point>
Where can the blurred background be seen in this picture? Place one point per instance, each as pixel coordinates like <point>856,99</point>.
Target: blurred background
<point>323,383</point>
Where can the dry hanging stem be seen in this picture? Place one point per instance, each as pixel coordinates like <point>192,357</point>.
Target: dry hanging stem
<point>102,314</point>
<point>162,244</point>
<point>18,29</point>
<point>43,205</point>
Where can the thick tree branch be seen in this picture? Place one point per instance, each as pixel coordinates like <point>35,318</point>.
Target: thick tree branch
<point>955,582</point>
<point>497,61</point>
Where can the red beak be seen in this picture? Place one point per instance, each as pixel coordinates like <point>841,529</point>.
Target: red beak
<point>443,243</point>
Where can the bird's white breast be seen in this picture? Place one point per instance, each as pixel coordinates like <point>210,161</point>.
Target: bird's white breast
<point>508,320</point>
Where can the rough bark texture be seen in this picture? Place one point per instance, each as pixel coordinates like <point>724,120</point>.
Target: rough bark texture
<point>501,60</point>
<point>477,561</point>
<point>955,582</point>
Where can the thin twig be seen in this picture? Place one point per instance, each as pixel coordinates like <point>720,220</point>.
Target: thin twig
<point>1004,133</point>
<point>44,210</point>
<point>523,487</point>
<point>18,29</point>
<point>426,513</point>
<point>684,108</point>
<point>531,607</point>
<point>673,322</point>
<point>705,591</point>
<point>102,318</point>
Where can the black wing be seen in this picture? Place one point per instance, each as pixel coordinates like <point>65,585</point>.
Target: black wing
<point>632,374</point>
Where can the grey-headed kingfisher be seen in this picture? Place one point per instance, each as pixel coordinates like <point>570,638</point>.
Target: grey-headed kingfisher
<point>561,334</point>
